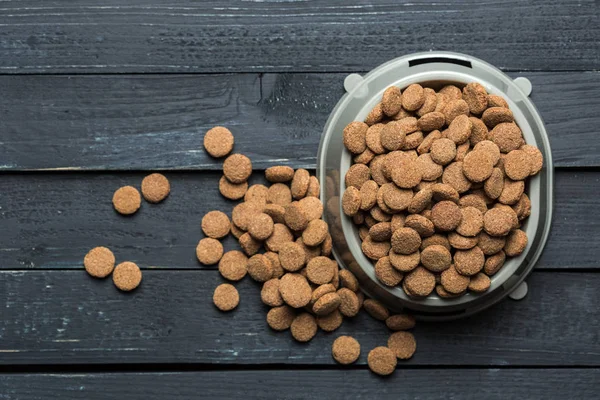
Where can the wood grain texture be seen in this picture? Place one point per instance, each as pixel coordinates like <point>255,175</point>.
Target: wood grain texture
<point>122,122</point>
<point>67,317</point>
<point>334,35</point>
<point>431,383</point>
<point>52,220</point>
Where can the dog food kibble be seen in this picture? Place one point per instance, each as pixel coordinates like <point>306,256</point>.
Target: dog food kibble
<point>226,297</point>
<point>280,318</point>
<point>419,283</point>
<point>345,350</point>
<point>376,309</point>
<point>469,262</point>
<point>304,327</point>
<point>209,251</point>
<point>453,282</point>
<point>327,304</point>
<point>382,361</point>
<point>99,262</point>
<point>269,293</point>
<point>355,137</point>
<point>279,174</point>
<point>349,302</point>
<point>391,102</point>
<point>218,141</point>
<point>155,188</point>
<point>499,221</point>
<point>436,258</point>
<point>386,273</point>
<point>237,168</point>
<point>330,322</point>
<point>127,200</point>
<point>403,344</point>
<point>295,290</point>
<point>216,225</point>
<point>127,276</point>
<point>479,283</point>
<point>259,268</point>
<point>348,280</point>
<point>446,215</point>
<point>261,226</point>
<point>233,265</point>
<point>257,193</point>
<point>400,322</point>
<point>515,243</point>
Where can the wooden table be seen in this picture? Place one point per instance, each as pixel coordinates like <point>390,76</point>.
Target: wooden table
<point>93,95</point>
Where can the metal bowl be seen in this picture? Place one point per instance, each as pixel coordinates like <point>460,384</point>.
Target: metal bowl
<point>433,69</point>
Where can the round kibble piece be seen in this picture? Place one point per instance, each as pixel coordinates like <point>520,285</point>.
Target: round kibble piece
<point>374,145</point>
<point>295,217</point>
<point>269,293</point>
<point>375,115</point>
<point>420,282</point>
<point>436,258</point>
<point>536,159</point>
<point>237,168</point>
<point>471,222</point>
<point>364,158</point>
<point>451,91</point>
<point>357,175</point>
<point>413,97</point>
<point>474,200</point>
<point>437,238</point>
<point>209,251</point>
<point>231,191</point>
<point>330,322</point>
<point>99,262</point>
<point>386,273</point>
<point>259,268</point>
<point>350,304</point>
<point>515,243</point>
<point>443,191</point>
<point>476,97</point>
<point>429,104</point>
<point>216,224</point>
<point>218,141</point>
<point>345,350</point>
<point>446,215</point>
<point>403,344</point>
<point>127,276</point>
<point>454,176</point>
<point>376,310</point>
<point>299,185</point>
<point>348,280</point>
<point>304,327</point>
<point>405,263</point>
<point>444,294</point>
<point>279,174</point>
<point>279,193</point>
<point>257,193</point>
<point>490,244</point>
<point>155,188</point>
<point>261,226</point>
<point>431,121</point>
<point>477,166</point>
<point>281,234</point>
<point>327,304</point>
<point>392,135</point>
<point>455,108</point>
<point>407,175</point>
<point>443,151</point>
<point>355,137</point>
<point>127,200</point>
<point>295,290</point>
<point>233,265</point>
<point>314,189</point>
<point>381,232</point>
<point>375,250</point>
<point>511,191</point>
<point>523,207</point>
<point>226,297</point>
<point>280,318</point>
<point>413,141</point>
<point>395,198</point>
<point>312,206</point>
<point>310,252</point>
<point>517,165</point>
<point>479,283</point>
<point>420,201</point>
<point>391,101</point>
<point>469,262</point>
<point>243,213</point>
<point>496,101</point>
<point>382,361</point>
<point>494,263</point>
<point>454,282</point>
<point>507,136</point>
<point>494,185</point>
<point>425,146</point>
<point>406,241</point>
<point>499,221</point>
<point>479,132</point>
<point>461,242</point>
<point>429,169</point>
<point>400,322</point>
<point>489,147</point>
<point>497,115</point>
<point>292,256</point>
<point>250,245</point>
<point>315,233</point>
<point>459,130</point>
<point>320,291</point>
<point>320,270</point>
<point>368,195</point>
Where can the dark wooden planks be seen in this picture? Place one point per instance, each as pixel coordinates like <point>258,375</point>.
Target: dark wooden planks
<point>501,384</point>
<point>66,317</point>
<point>51,220</point>
<point>115,122</point>
<point>181,36</point>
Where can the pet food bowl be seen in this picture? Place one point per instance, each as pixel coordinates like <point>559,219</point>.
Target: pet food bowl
<point>433,69</point>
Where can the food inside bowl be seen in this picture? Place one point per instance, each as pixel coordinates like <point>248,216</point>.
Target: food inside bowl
<point>437,187</point>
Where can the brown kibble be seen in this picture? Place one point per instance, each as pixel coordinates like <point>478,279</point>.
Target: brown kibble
<point>413,141</point>
<point>499,221</point>
<point>413,97</point>
<point>517,165</point>
<point>393,134</point>
<point>496,101</point>
<point>429,169</point>
<point>231,191</point>
<point>259,268</point>
<point>479,283</point>
<point>515,243</point>
<point>233,265</point>
<point>420,282</point>
<point>436,258</point>
<point>446,215</point>
<point>320,291</point>
<point>400,322</point>
<point>375,116</point>
<point>455,108</point>
<point>249,245</point>
<point>314,189</point>
<point>292,256</point>
<point>523,207</point>
<point>507,136</point>
<point>431,121</point>
<point>226,297</point>
<point>453,282</point>
<point>209,251</point>
<point>443,191</point>
<point>299,185</point>
<point>497,115</point>
<point>479,132</point>
<point>385,272</point>
<point>330,322</point>
<point>127,200</point>
<point>403,344</point>
<point>421,224</point>
<point>261,226</point>
<point>373,140</point>
<point>536,159</point>
<point>443,151</point>
<point>349,305</point>
<point>310,252</point>
<point>469,262</point>
<point>326,304</point>
<point>454,175</point>
<point>237,168</point>
<point>405,241</point>
<point>405,262</point>
<point>397,221</point>
<point>276,212</point>
<point>430,103</point>
<point>511,191</point>
<point>243,214</point>
<point>218,141</point>
<point>295,290</point>
<point>381,231</point>
<point>459,129</point>
<point>452,92</point>
<point>127,276</point>
<point>295,217</point>
<point>395,198</point>
<point>355,137</point>
<point>376,310</point>
<point>312,206</point>
<point>444,294</point>
<point>460,242</point>
<point>391,101</point>
<point>345,349</point>
<point>461,151</point>
<point>279,193</point>
<point>320,270</point>
<point>490,244</point>
<point>471,223</point>
<point>392,160</point>
<point>280,318</point>
<point>304,327</point>
<point>437,238</point>
<point>420,201</point>
<point>351,201</point>
<point>269,293</point>
<point>476,97</point>
<point>477,166</point>
<point>357,175</point>
<point>425,146</point>
<point>279,174</point>
<point>348,280</point>
<point>216,224</point>
<point>315,233</point>
<point>155,188</point>
<point>407,174</point>
<point>382,361</point>
<point>258,194</point>
<point>474,200</point>
<point>494,263</point>
<point>494,184</point>
<point>99,262</point>
<point>368,195</point>
<point>489,147</point>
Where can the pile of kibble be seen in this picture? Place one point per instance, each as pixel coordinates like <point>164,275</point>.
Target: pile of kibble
<point>286,247</point>
<point>437,188</point>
